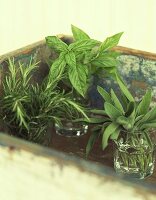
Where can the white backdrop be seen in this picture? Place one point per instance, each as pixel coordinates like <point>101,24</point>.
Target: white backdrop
<point>23,22</point>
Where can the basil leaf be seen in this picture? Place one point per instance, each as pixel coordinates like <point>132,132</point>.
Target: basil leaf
<point>107,133</point>
<point>79,34</point>
<point>112,111</point>
<point>70,59</point>
<point>78,77</point>
<point>105,61</point>
<point>83,45</point>
<point>111,53</point>
<point>57,68</point>
<point>110,42</point>
<point>145,103</point>
<point>55,43</point>
<point>116,101</point>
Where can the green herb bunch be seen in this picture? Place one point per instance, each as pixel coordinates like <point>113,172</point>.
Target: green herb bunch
<point>84,57</point>
<point>123,117</point>
<point>28,108</point>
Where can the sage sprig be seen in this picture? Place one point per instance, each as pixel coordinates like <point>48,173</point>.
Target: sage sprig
<point>119,116</point>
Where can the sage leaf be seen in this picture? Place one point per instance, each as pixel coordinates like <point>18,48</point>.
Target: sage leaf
<point>130,108</point>
<point>79,34</point>
<point>110,42</point>
<point>107,133</point>
<point>116,101</point>
<point>104,94</point>
<point>112,111</point>
<point>55,43</point>
<point>115,135</point>
<point>122,120</point>
<point>83,45</point>
<point>94,136</point>
<point>92,120</point>
<point>151,115</point>
<point>124,89</point>
<point>138,118</point>
<point>132,118</point>
<point>148,139</point>
<point>99,112</point>
<point>148,125</point>
<point>145,103</point>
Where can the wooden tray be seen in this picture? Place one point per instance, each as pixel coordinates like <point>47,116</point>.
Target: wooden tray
<point>30,171</point>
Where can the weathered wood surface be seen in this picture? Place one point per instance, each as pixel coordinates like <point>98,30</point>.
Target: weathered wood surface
<point>28,49</point>
<point>31,172</point>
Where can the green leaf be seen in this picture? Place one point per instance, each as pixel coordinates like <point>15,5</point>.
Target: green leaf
<point>115,135</point>
<point>124,101</point>
<point>148,125</point>
<point>112,111</point>
<point>132,118</point>
<point>105,62</point>
<point>110,42</point>
<point>70,59</point>
<point>138,118</point>
<point>148,139</point>
<point>111,53</point>
<point>79,34</point>
<point>107,133</point>
<point>57,69</point>
<point>83,45</point>
<point>55,43</point>
<point>92,140</point>
<point>145,103</point>
<point>151,115</point>
<point>116,101</point>
<point>92,120</point>
<point>122,120</point>
<point>124,89</point>
<point>130,108</point>
<point>104,94</point>
<point>77,107</point>
<point>78,77</point>
<point>99,112</point>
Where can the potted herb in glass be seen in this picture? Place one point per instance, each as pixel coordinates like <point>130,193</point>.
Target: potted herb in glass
<point>129,124</point>
<point>28,107</point>
<point>80,61</point>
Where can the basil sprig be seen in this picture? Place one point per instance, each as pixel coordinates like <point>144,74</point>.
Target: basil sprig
<point>82,58</point>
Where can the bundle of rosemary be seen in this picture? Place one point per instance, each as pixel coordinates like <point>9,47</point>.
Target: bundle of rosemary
<point>28,108</point>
